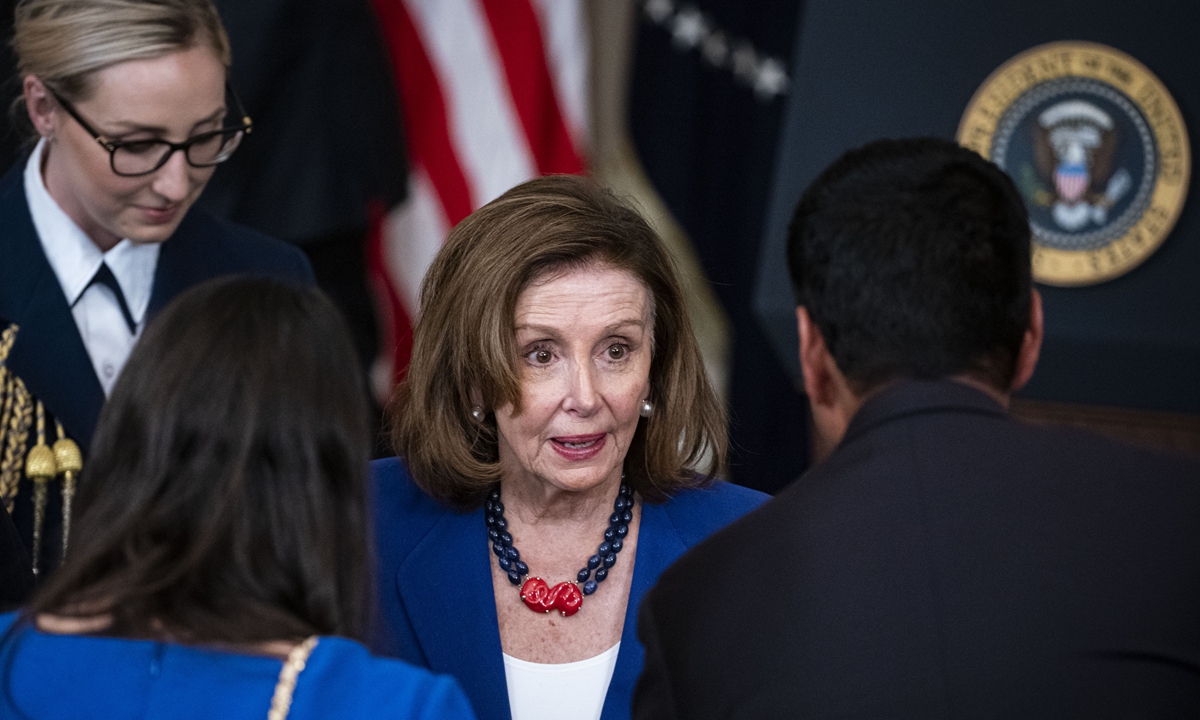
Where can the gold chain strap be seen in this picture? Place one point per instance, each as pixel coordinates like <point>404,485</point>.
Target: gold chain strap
<point>281,702</point>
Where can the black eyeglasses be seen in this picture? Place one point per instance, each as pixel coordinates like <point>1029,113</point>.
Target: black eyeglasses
<point>131,158</point>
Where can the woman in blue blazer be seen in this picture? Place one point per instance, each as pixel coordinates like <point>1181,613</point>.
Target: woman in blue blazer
<point>222,566</point>
<point>132,112</point>
<point>551,426</point>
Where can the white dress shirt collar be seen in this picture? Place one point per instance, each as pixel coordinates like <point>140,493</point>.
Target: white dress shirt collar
<point>75,258</point>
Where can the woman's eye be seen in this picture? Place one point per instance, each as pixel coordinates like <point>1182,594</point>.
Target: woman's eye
<point>617,352</point>
<point>140,148</point>
<point>542,357</point>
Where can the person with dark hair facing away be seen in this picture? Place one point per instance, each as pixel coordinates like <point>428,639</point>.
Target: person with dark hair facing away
<point>946,560</point>
<point>222,568</point>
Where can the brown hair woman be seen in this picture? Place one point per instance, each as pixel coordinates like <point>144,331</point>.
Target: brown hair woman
<point>558,439</point>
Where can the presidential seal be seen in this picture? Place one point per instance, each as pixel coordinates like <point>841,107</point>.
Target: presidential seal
<point>1098,149</point>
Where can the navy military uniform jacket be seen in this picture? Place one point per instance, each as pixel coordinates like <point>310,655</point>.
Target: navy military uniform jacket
<point>48,354</point>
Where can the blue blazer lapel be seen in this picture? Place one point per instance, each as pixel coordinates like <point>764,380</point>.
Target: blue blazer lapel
<point>446,586</point>
<point>48,354</point>
<point>658,546</point>
<point>457,625</point>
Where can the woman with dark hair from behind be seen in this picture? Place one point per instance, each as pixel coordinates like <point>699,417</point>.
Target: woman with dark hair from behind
<point>221,546</point>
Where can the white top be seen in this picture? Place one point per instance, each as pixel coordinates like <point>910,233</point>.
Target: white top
<point>576,690</point>
<point>75,260</point>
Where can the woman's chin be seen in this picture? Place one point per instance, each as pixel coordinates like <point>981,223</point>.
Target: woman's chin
<point>142,234</point>
<point>579,477</point>
<point>148,225</point>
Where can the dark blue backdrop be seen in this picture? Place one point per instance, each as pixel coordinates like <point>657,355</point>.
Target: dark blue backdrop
<point>867,69</point>
<point>709,145</point>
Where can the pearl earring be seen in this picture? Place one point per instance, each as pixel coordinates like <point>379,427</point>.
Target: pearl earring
<point>477,413</point>
<point>647,408</point>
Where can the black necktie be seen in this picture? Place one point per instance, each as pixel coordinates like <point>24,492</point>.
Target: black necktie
<point>105,277</point>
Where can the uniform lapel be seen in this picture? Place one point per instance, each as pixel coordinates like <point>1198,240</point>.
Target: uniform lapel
<point>48,354</point>
<point>182,263</point>
<point>658,546</point>
<point>445,584</point>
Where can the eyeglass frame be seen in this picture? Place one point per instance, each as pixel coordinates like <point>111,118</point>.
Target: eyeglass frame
<point>113,145</point>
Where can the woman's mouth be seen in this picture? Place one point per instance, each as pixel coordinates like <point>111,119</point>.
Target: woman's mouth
<point>578,447</point>
<point>159,215</point>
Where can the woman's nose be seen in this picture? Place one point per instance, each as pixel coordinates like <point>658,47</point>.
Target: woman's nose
<point>582,395</point>
<point>172,180</point>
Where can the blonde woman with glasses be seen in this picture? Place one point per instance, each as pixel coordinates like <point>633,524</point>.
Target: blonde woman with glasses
<point>131,113</point>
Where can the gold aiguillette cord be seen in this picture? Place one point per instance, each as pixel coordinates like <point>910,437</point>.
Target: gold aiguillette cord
<point>41,468</point>
<point>16,416</point>
<point>69,462</point>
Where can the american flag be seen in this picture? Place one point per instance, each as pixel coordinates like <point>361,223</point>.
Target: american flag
<point>494,92</point>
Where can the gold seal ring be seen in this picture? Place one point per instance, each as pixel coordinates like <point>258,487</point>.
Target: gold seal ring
<point>1098,149</point>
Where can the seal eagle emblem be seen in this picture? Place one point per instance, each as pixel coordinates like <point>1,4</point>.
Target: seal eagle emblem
<point>1098,149</point>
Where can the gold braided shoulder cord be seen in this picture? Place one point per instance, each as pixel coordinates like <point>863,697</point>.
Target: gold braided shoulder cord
<point>18,414</point>
<point>7,390</point>
<point>15,417</point>
<point>7,338</point>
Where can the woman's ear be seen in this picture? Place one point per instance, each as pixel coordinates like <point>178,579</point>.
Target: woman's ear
<point>40,106</point>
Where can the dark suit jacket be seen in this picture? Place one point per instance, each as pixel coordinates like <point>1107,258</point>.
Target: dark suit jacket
<point>438,608</point>
<point>946,561</point>
<point>48,353</point>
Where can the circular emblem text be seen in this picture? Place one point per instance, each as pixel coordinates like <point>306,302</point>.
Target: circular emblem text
<point>1098,150</point>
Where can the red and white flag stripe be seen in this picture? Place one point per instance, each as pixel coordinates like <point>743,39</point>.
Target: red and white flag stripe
<point>494,92</point>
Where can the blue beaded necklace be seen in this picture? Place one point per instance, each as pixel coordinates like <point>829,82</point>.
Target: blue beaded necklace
<point>566,597</point>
